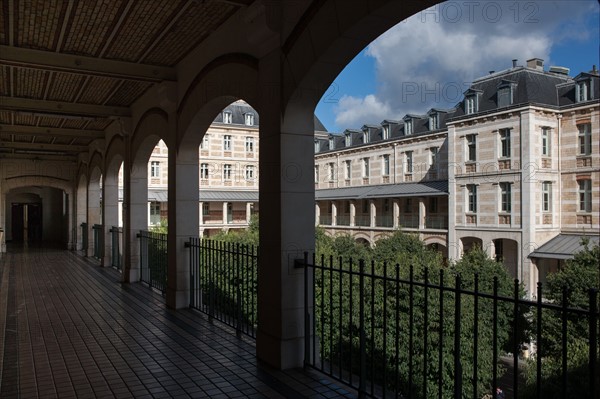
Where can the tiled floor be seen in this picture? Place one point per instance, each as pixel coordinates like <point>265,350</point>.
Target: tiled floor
<point>68,328</point>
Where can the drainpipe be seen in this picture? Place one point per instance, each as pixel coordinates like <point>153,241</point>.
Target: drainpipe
<point>558,132</point>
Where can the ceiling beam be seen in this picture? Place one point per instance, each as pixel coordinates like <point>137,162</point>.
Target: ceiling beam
<point>57,108</point>
<point>44,147</point>
<point>38,59</point>
<point>41,157</point>
<point>50,131</point>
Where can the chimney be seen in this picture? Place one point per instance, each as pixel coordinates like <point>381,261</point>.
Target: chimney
<point>491,72</point>
<point>594,70</point>
<point>514,63</point>
<point>536,63</point>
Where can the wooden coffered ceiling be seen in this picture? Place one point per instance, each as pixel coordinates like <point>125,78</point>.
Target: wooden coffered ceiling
<point>68,67</point>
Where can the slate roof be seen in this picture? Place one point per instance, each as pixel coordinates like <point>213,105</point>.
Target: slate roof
<point>563,246</point>
<point>426,189</point>
<point>530,87</point>
<point>158,195</point>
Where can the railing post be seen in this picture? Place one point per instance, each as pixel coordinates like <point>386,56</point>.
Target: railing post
<point>238,328</point>
<point>306,315</point>
<point>593,342</point>
<point>564,344</point>
<point>457,332</point>
<point>189,244</point>
<point>362,380</point>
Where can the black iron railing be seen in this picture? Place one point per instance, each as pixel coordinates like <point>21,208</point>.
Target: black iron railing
<point>153,259</point>
<point>223,284</point>
<point>84,236</point>
<point>116,234</point>
<point>393,333</point>
<point>98,241</point>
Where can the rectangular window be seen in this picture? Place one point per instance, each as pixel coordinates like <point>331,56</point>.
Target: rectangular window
<point>348,140</point>
<point>317,146</point>
<point>205,208</point>
<point>249,119</point>
<point>386,165</point>
<point>505,143</point>
<point>408,205</point>
<point>581,91</point>
<point>408,127</point>
<point>155,169</point>
<point>227,143</point>
<point>249,144</point>
<point>433,157</point>
<point>205,142</point>
<point>366,136</point>
<point>330,171</point>
<point>505,197</point>
<point>154,213</point>
<point>434,122</point>
<point>385,132</point>
<point>227,172</point>
<point>433,205</point>
<point>546,196</point>
<point>409,161</point>
<point>546,142</point>
<point>471,147</point>
<point>365,167</point>
<point>316,174</point>
<point>204,171</point>
<point>348,170</point>
<point>585,195</point>
<point>585,138</point>
<point>331,143</point>
<point>227,117</point>
<point>472,198</point>
<point>250,172</point>
<point>504,97</point>
<point>470,105</point>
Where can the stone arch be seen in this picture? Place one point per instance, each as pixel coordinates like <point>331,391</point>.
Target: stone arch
<point>152,127</point>
<point>363,238</point>
<point>204,99</point>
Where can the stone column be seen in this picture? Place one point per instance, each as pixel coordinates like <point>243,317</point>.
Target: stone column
<point>110,214</point>
<point>248,212</point>
<point>317,213</point>
<point>225,219</point>
<point>201,213</point>
<point>93,211</point>
<point>372,213</point>
<point>422,213</point>
<point>352,213</point>
<point>333,213</point>
<point>396,213</point>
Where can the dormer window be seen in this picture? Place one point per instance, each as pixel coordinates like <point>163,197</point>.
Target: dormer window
<point>227,117</point>
<point>385,132</point>
<point>249,119</point>
<point>348,140</point>
<point>582,91</point>
<point>434,121</point>
<point>317,145</point>
<point>408,127</point>
<point>470,104</point>
<point>505,93</point>
<point>331,143</point>
<point>366,136</point>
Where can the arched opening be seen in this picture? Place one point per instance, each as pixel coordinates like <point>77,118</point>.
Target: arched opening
<point>80,228</point>
<point>112,197</point>
<point>469,243</point>
<point>507,252</point>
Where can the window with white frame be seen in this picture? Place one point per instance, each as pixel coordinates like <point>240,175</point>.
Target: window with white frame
<point>547,196</point>
<point>471,147</point>
<point>505,143</point>
<point>205,142</point>
<point>366,136</point>
<point>227,168</point>
<point>317,145</point>
<point>385,165</point>
<point>249,172</point>
<point>227,117</point>
<point>365,167</point>
<point>204,171</point>
<point>385,132</point>
<point>348,169</point>
<point>331,143</point>
<point>316,173</point>
<point>408,127</point>
<point>249,119</point>
<point>330,171</point>
<point>205,208</point>
<point>249,144</point>
<point>433,157</point>
<point>505,97</point>
<point>505,197</point>
<point>155,169</point>
<point>546,149</point>
<point>585,138</point>
<point>154,213</point>
<point>581,91</point>
<point>585,195</point>
<point>471,198</point>
<point>470,104</point>
<point>348,140</point>
<point>408,155</point>
<point>434,123</point>
<point>227,143</point>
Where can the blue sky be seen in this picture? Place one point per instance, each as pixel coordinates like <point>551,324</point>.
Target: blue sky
<point>430,59</point>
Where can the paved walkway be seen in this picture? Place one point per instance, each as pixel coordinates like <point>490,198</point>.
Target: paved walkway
<point>69,329</point>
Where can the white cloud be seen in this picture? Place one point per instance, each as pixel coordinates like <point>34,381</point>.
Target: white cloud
<point>430,60</point>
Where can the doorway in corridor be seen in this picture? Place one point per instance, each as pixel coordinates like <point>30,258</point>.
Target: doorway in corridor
<point>26,222</point>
